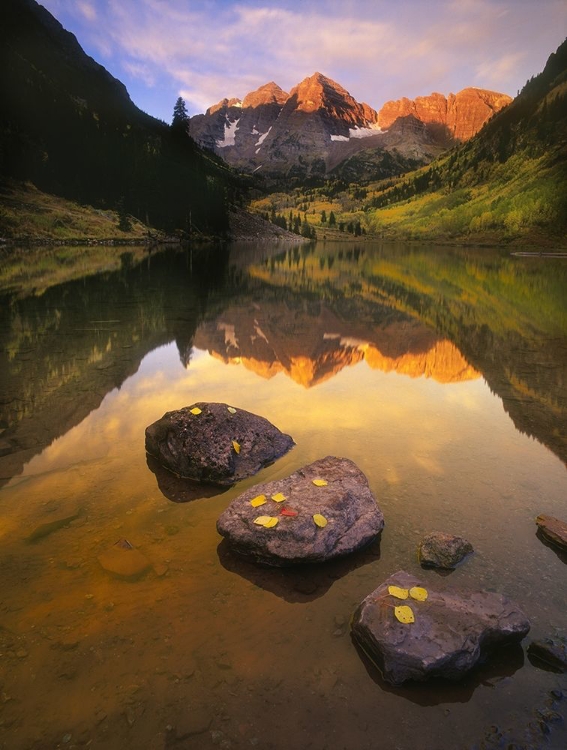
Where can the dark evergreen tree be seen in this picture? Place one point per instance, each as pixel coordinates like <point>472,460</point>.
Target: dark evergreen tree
<point>180,121</point>
<point>332,219</point>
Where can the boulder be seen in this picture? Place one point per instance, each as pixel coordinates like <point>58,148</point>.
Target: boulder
<point>554,530</point>
<point>439,550</point>
<point>322,511</point>
<point>215,443</point>
<point>451,629</point>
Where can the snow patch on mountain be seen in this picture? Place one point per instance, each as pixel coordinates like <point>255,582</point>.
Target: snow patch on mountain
<point>263,137</point>
<point>358,133</point>
<point>229,134</point>
<point>364,132</point>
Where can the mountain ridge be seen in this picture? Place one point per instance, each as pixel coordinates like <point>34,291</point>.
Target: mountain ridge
<point>302,134</point>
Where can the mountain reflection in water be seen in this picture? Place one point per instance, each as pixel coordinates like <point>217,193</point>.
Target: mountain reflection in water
<point>426,366</point>
<point>444,314</point>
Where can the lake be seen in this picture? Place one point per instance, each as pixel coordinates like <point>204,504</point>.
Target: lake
<point>442,372</point>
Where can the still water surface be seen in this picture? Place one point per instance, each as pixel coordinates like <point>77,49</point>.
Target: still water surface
<point>440,372</point>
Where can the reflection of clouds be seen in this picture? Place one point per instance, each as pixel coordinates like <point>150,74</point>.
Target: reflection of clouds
<point>430,465</point>
<point>396,428</point>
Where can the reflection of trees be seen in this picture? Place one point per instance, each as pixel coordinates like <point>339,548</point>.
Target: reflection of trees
<point>64,350</point>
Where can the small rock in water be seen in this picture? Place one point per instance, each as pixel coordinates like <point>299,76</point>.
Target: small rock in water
<point>215,443</point>
<point>439,550</point>
<point>322,511</point>
<point>552,651</point>
<point>410,635</point>
<point>124,561</point>
<point>553,529</point>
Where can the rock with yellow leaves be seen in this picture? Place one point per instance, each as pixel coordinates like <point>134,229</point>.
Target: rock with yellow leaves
<point>414,631</point>
<point>322,511</point>
<point>215,443</point>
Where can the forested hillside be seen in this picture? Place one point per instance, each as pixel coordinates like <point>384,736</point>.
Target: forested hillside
<point>510,179</point>
<point>71,128</point>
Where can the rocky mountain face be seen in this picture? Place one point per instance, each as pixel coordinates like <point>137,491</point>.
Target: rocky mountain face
<point>319,125</point>
<point>454,118</point>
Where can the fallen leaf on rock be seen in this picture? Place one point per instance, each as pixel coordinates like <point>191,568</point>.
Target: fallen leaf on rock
<point>231,409</point>
<point>418,593</point>
<point>320,482</point>
<point>279,497</point>
<point>398,592</point>
<point>320,520</point>
<point>195,410</point>
<point>261,520</point>
<point>404,614</point>
<point>266,521</point>
<point>288,512</point>
<point>257,501</point>
<point>236,446</point>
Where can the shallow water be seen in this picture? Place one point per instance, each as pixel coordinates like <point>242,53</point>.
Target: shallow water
<point>440,372</point>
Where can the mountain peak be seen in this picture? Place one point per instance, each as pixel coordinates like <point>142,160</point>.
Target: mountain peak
<point>269,93</point>
<point>224,104</point>
<point>320,93</point>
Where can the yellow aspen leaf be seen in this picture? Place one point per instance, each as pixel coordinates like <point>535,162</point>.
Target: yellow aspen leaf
<point>418,593</point>
<point>404,614</point>
<point>398,592</point>
<point>236,446</point>
<point>231,409</point>
<point>279,497</point>
<point>320,482</point>
<point>320,520</point>
<point>257,501</point>
<point>195,410</point>
<point>266,521</point>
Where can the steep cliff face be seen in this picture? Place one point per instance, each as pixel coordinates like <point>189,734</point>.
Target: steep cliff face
<point>454,118</point>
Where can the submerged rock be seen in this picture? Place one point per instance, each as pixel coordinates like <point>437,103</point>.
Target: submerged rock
<point>215,443</point>
<point>553,529</point>
<point>552,651</point>
<point>322,511</point>
<point>124,560</point>
<point>439,550</point>
<point>452,630</point>
<point>55,523</point>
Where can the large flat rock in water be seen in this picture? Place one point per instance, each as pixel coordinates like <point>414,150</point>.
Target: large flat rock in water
<point>553,529</point>
<point>215,443</point>
<point>322,511</point>
<point>450,632</point>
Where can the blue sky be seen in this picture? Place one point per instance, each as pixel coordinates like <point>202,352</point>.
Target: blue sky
<point>378,50</point>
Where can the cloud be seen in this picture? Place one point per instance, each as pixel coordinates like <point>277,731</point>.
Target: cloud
<point>377,50</point>
<point>141,71</point>
<point>497,71</point>
<point>87,10</point>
